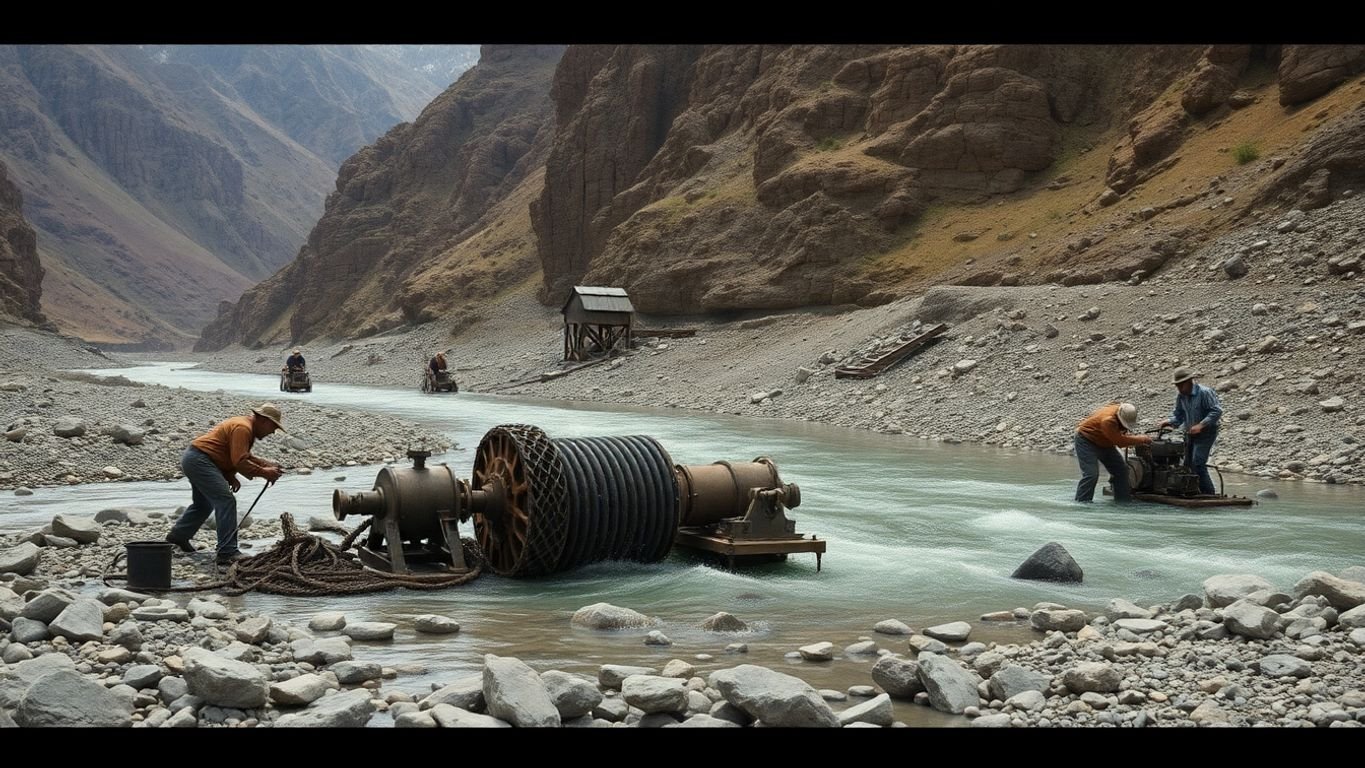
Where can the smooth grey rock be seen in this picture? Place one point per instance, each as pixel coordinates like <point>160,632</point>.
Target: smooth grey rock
<point>1092,676</point>
<point>47,605</point>
<point>1251,620</point>
<point>864,648</point>
<point>613,709</point>
<point>1118,608</point>
<point>327,621</point>
<point>66,698</point>
<point>892,627</point>
<point>82,529</point>
<point>1013,679</point>
<point>573,695</point>
<point>299,691</point>
<point>346,709</point>
<point>897,676</point>
<point>877,711</point>
<point>817,651</point>
<point>252,631</point>
<point>865,691</point>
<point>922,644</point>
<point>609,676</point>
<point>369,630</point>
<point>1057,620</point>
<point>432,624</point>
<point>82,620</point>
<point>1029,701</point>
<point>414,720</point>
<point>171,688</point>
<point>24,630</point>
<point>1226,589</point>
<point>68,426</point>
<point>447,716</point>
<point>724,710</point>
<point>952,632</point>
<point>1353,619</point>
<point>1342,594</point>
<point>655,694</point>
<point>207,609</point>
<point>224,682</point>
<point>1141,626</point>
<point>1284,665</point>
<point>11,604</point>
<point>465,693</point>
<point>1050,563</point>
<point>777,699</point>
<point>514,692</point>
<point>679,668</point>
<point>655,637</point>
<point>723,622</point>
<point>610,617</point>
<point>141,676</point>
<point>114,596</point>
<point>161,613</point>
<point>950,687</point>
<point>328,650</point>
<point>1000,720</point>
<point>354,672</point>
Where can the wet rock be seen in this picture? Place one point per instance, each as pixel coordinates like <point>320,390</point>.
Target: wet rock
<point>724,622</point>
<point>369,630</point>
<point>435,625</point>
<point>892,627</point>
<point>610,617</point>
<point>1050,563</point>
<point>877,711</point>
<point>655,637</point>
<point>952,632</point>
<point>327,621</point>
<point>514,692</point>
<point>777,699</point>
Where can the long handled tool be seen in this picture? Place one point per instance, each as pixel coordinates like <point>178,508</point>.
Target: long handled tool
<point>248,511</point>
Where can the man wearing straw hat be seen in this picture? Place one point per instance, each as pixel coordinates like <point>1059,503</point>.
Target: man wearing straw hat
<point>1198,411</point>
<point>211,464</point>
<point>1098,439</point>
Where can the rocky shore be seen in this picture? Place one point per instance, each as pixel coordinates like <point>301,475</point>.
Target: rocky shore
<point>1273,316</point>
<point>69,428</point>
<point>1240,652</point>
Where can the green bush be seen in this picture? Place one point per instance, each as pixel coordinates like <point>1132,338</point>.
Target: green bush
<point>828,143</point>
<point>1245,152</point>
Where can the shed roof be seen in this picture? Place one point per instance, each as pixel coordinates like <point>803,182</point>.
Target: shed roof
<point>600,299</point>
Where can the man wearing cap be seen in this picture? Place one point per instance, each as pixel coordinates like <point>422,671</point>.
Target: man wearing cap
<point>1098,439</point>
<point>211,464</point>
<point>1198,411</point>
<point>295,361</point>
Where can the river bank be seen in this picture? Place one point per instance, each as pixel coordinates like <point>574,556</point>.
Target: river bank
<point>1237,651</point>
<point>1283,344</point>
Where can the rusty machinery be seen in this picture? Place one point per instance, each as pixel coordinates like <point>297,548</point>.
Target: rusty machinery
<point>1158,472</point>
<point>543,505</point>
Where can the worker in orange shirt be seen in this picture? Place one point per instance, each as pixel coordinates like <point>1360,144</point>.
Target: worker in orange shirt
<point>1098,439</point>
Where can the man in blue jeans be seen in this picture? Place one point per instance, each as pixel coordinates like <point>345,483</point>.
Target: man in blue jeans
<point>1198,411</point>
<point>211,464</point>
<point>1097,441</point>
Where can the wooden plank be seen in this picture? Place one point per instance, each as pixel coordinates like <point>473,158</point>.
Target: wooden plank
<point>870,368</point>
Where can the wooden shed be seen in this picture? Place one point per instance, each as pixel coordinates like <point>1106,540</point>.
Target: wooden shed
<point>595,320</point>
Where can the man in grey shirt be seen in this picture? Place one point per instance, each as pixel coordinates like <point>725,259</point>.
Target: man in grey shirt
<point>1198,411</point>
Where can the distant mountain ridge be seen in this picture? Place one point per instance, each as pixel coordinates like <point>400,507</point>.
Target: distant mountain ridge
<point>161,180</point>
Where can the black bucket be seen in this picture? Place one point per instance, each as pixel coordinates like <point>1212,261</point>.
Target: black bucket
<point>149,564</point>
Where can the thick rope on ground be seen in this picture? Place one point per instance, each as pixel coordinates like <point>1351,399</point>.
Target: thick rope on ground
<point>303,564</point>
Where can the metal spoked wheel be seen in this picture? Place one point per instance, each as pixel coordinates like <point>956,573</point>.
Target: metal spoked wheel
<point>526,535</point>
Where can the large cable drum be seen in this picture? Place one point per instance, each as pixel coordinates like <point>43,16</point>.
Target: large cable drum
<point>525,535</point>
<point>623,500</point>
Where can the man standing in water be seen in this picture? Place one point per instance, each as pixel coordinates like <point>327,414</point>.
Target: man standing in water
<point>1198,411</point>
<point>211,464</point>
<point>1098,438</point>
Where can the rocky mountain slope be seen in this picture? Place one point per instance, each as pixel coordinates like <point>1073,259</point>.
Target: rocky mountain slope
<point>714,179</point>
<point>162,180</point>
<point>21,276</point>
<point>424,221</point>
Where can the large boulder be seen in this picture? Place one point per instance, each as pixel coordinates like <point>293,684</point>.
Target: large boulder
<point>897,676</point>
<point>224,682</point>
<point>1012,680</point>
<point>1248,619</point>
<point>772,697</point>
<point>608,616</point>
<point>80,621</point>
<point>66,698</point>
<point>573,695</point>
<point>82,529</point>
<point>951,688</point>
<point>514,692</point>
<point>1341,593</point>
<point>1226,589</point>
<point>21,559</point>
<point>346,709</point>
<point>655,694</point>
<point>1050,563</point>
<point>1092,676</point>
<point>465,693</point>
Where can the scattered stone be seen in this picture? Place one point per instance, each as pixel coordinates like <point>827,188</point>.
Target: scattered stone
<point>1050,563</point>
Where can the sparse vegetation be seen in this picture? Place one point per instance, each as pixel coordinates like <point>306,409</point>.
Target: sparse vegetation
<point>1245,152</point>
<point>828,144</point>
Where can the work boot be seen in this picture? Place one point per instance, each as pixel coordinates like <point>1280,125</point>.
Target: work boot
<point>185,545</point>
<point>230,558</point>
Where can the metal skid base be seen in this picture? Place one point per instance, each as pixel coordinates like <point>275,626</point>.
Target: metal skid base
<point>417,559</point>
<point>1191,502</point>
<point>731,548</point>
